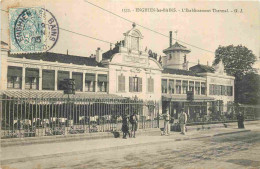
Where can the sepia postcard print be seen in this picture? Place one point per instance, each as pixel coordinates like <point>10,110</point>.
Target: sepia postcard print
<point>129,84</point>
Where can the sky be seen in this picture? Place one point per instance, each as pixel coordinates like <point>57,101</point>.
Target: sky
<point>206,30</point>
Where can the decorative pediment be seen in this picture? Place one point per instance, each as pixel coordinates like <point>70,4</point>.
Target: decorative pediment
<point>219,68</point>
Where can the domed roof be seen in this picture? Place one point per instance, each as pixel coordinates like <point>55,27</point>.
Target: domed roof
<point>177,47</point>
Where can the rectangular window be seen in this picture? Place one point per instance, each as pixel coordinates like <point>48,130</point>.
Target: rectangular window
<point>197,88</point>
<point>78,77</point>
<point>229,90</point>
<point>135,43</point>
<point>203,88</point>
<point>211,88</point>
<point>184,86</point>
<point>62,75</point>
<point>48,79</point>
<point>164,85</point>
<point>102,83</point>
<point>14,77</point>
<point>90,84</point>
<point>32,79</point>
<point>135,84</point>
<point>178,86</point>
<point>171,86</point>
<point>223,90</point>
<point>191,85</point>
<point>121,83</point>
<point>218,89</point>
<point>150,82</point>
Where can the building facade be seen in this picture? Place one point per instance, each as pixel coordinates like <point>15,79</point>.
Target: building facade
<point>125,71</point>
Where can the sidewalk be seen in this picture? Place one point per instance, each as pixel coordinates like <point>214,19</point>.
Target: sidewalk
<point>105,135</point>
<point>22,153</point>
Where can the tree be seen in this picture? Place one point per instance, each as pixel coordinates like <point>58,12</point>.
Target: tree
<point>238,61</point>
<point>249,89</point>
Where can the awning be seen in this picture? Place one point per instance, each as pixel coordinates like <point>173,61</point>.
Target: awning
<point>63,75</point>
<point>57,95</point>
<point>32,73</point>
<point>90,77</point>
<point>183,98</point>
<point>164,84</point>
<point>102,78</point>
<point>191,83</point>
<point>171,84</point>
<point>184,83</point>
<point>178,82</point>
<point>197,84</point>
<point>14,71</point>
<point>203,84</point>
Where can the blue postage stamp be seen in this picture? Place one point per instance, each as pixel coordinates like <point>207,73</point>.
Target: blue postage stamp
<point>32,30</point>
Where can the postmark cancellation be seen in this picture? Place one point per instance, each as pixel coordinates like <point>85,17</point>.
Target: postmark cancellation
<point>32,30</point>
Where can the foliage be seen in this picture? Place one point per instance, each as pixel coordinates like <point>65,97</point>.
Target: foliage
<point>249,89</point>
<point>238,60</point>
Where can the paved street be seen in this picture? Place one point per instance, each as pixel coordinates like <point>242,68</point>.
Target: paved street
<point>196,150</point>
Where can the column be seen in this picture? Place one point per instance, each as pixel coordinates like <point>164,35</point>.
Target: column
<point>23,78</point>
<point>96,84</point>
<point>167,86</point>
<point>40,78</point>
<point>70,75</point>
<point>56,80</point>
<point>174,86</point>
<point>83,80</point>
<point>200,88</point>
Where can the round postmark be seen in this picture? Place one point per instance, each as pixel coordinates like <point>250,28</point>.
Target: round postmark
<point>36,29</point>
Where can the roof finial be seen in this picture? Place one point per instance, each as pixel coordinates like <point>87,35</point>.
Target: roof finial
<point>176,33</point>
<point>198,61</point>
<point>134,25</point>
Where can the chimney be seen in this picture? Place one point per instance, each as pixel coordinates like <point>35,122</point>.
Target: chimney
<point>170,38</point>
<point>98,55</point>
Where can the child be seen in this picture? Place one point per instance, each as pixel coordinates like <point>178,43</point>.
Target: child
<point>125,128</point>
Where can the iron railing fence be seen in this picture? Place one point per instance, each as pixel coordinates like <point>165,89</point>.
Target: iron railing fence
<point>34,117</point>
<point>224,113</point>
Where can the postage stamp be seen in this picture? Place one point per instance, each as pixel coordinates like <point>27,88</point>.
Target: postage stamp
<point>32,30</point>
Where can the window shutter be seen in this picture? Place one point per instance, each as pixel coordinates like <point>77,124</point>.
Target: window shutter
<point>119,83</point>
<point>139,84</point>
<point>211,89</point>
<point>131,84</point>
<point>152,85</point>
<point>123,83</point>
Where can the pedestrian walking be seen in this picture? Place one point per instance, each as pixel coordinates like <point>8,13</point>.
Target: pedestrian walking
<point>240,120</point>
<point>134,121</point>
<point>166,116</point>
<point>125,128</point>
<point>182,121</point>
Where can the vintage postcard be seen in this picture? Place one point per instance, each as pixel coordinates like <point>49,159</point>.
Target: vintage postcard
<point>130,84</point>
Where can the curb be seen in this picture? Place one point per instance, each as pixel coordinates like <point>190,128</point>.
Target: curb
<point>23,159</point>
<point>222,134</point>
<point>65,138</point>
